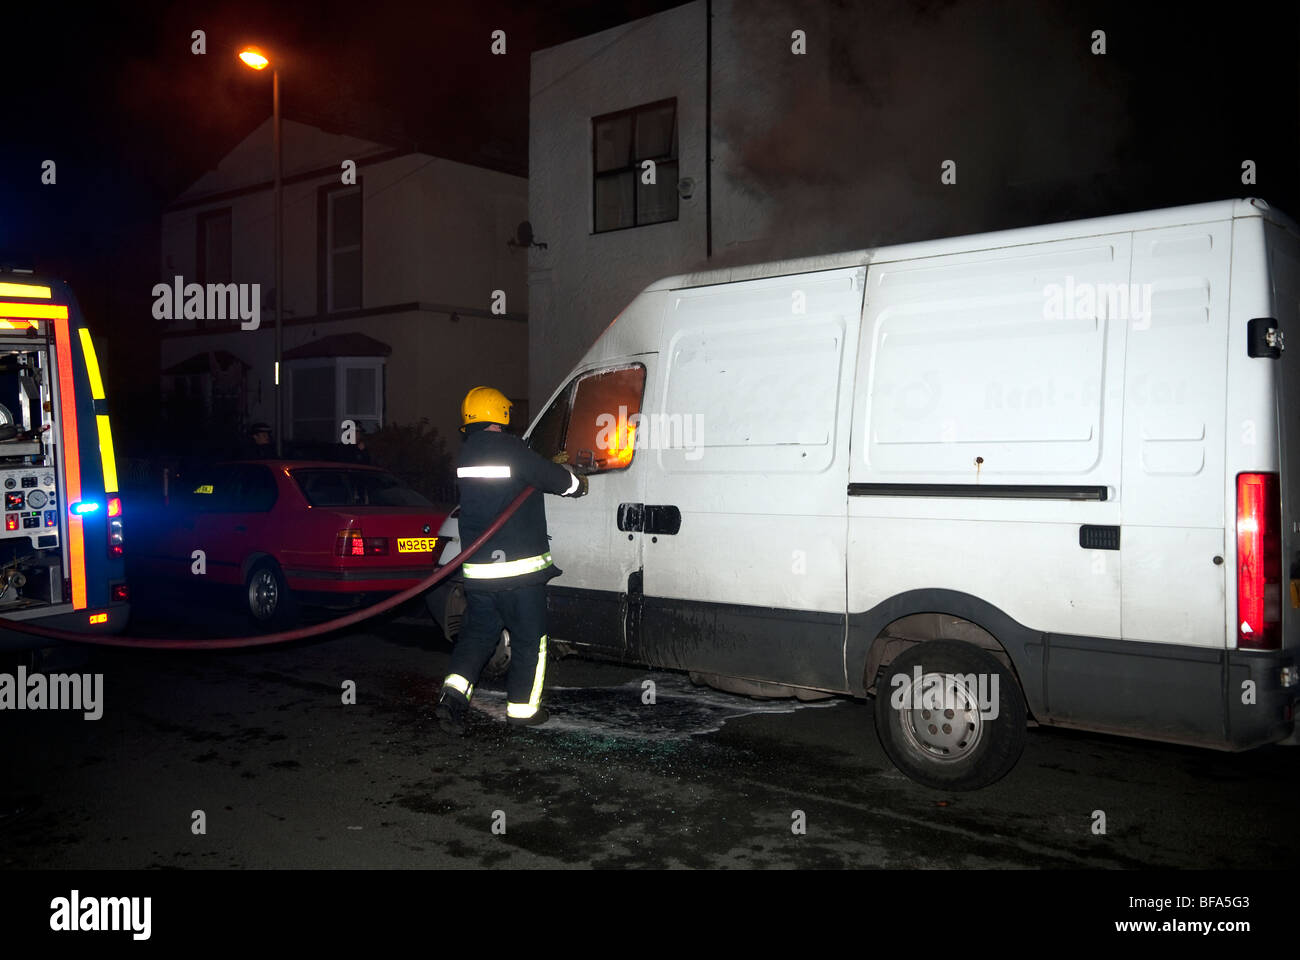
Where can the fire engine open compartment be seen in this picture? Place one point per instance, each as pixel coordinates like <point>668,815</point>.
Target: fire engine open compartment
<point>31,558</point>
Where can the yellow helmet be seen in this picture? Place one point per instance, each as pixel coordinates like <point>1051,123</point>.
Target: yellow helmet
<point>484,405</point>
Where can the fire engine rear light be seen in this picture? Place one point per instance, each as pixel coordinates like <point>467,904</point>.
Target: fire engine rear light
<point>352,543</point>
<point>120,593</point>
<point>1259,562</point>
<point>114,527</point>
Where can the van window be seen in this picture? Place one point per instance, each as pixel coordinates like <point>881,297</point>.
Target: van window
<point>592,419</point>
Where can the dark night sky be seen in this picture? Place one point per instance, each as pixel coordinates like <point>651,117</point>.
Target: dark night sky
<point>113,94</point>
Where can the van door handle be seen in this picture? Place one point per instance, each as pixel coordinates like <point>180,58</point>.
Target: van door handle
<point>662,518</point>
<point>631,517</point>
<point>1095,537</point>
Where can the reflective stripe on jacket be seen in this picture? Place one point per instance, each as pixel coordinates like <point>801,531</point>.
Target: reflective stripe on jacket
<point>493,467</point>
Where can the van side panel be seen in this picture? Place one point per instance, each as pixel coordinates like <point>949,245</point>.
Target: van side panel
<point>752,584</point>
<point>1172,505</point>
<point>975,372</point>
<point>991,370</point>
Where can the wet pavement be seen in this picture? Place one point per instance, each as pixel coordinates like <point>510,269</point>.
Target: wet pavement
<point>286,774</point>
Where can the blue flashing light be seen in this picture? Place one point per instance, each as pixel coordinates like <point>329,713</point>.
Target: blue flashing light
<point>84,507</point>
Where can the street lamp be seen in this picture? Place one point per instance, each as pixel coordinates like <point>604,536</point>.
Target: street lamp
<point>257,60</point>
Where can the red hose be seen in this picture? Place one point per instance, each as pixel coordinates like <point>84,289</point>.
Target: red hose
<point>227,643</point>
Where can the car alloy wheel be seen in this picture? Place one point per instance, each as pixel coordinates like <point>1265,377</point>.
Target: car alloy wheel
<point>263,593</point>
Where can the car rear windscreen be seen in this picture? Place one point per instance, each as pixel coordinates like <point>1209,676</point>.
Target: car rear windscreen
<point>324,487</point>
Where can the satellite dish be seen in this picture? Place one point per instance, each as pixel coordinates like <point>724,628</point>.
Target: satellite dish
<point>524,237</point>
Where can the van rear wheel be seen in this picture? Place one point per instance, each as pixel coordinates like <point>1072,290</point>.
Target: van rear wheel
<point>950,715</point>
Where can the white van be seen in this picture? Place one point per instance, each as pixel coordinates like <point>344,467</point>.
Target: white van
<point>1041,475</point>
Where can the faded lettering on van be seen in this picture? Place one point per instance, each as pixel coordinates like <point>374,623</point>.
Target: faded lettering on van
<point>1158,392</point>
<point>1045,393</point>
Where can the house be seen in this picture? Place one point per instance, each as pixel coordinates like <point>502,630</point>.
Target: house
<point>779,129</point>
<point>401,291</point>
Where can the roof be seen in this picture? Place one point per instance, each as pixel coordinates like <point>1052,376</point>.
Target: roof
<point>340,345</point>
<point>205,363</point>
<point>1098,226</point>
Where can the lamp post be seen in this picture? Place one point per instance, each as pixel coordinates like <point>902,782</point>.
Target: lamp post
<point>257,60</point>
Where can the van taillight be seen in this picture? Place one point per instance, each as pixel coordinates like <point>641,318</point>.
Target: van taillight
<point>1259,562</point>
<point>115,528</point>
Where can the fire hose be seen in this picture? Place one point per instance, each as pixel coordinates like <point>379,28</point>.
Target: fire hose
<point>284,636</point>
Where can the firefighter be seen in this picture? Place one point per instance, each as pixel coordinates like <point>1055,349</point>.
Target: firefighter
<point>505,585</point>
<point>258,446</point>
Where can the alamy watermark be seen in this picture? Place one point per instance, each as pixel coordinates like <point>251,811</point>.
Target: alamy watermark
<point>1098,301</point>
<point>75,913</point>
<point>57,691</point>
<point>945,691</point>
<point>208,301</point>
<point>656,431</point>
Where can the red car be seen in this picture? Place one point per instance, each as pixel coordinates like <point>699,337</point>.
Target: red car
<point>282,528</point>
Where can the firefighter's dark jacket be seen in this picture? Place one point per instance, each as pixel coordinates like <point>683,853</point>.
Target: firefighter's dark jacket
<point>482,498</point>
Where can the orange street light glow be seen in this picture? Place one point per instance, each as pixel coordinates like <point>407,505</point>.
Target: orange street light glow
<point>254,58</point>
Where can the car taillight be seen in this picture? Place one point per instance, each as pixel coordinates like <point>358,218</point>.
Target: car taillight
<point>1259,562</point>
<point>119,593</point>
<point>114,528</point>
<point>351,543</point>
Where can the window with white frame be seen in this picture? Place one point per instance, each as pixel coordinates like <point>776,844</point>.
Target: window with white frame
<point>325,392</point>
<point>343,248</point>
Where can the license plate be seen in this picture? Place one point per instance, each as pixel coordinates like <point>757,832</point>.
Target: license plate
<point>416,544</point>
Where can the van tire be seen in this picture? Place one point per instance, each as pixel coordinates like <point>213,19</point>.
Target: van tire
<point>942,755</point>
<point>267,597</point>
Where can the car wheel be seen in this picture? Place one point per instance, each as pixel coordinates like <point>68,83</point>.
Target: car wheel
<point>453,611</point>
<point>950,715</point>
<point>270,602</point>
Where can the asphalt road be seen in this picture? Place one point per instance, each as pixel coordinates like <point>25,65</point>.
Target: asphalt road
<point>287,774</point>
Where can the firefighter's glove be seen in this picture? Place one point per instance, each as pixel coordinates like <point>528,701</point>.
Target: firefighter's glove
<point>581,491</point>
<point>561,457</point>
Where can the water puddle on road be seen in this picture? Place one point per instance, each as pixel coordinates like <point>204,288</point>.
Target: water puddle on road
<point>680,709</point>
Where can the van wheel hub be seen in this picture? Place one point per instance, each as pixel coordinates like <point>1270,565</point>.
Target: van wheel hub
<point>940,717</point>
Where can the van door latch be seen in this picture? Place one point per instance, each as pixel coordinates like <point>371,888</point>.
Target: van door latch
<point>1264,338</point>
<point>631,517</point>
<point>649,518</point>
